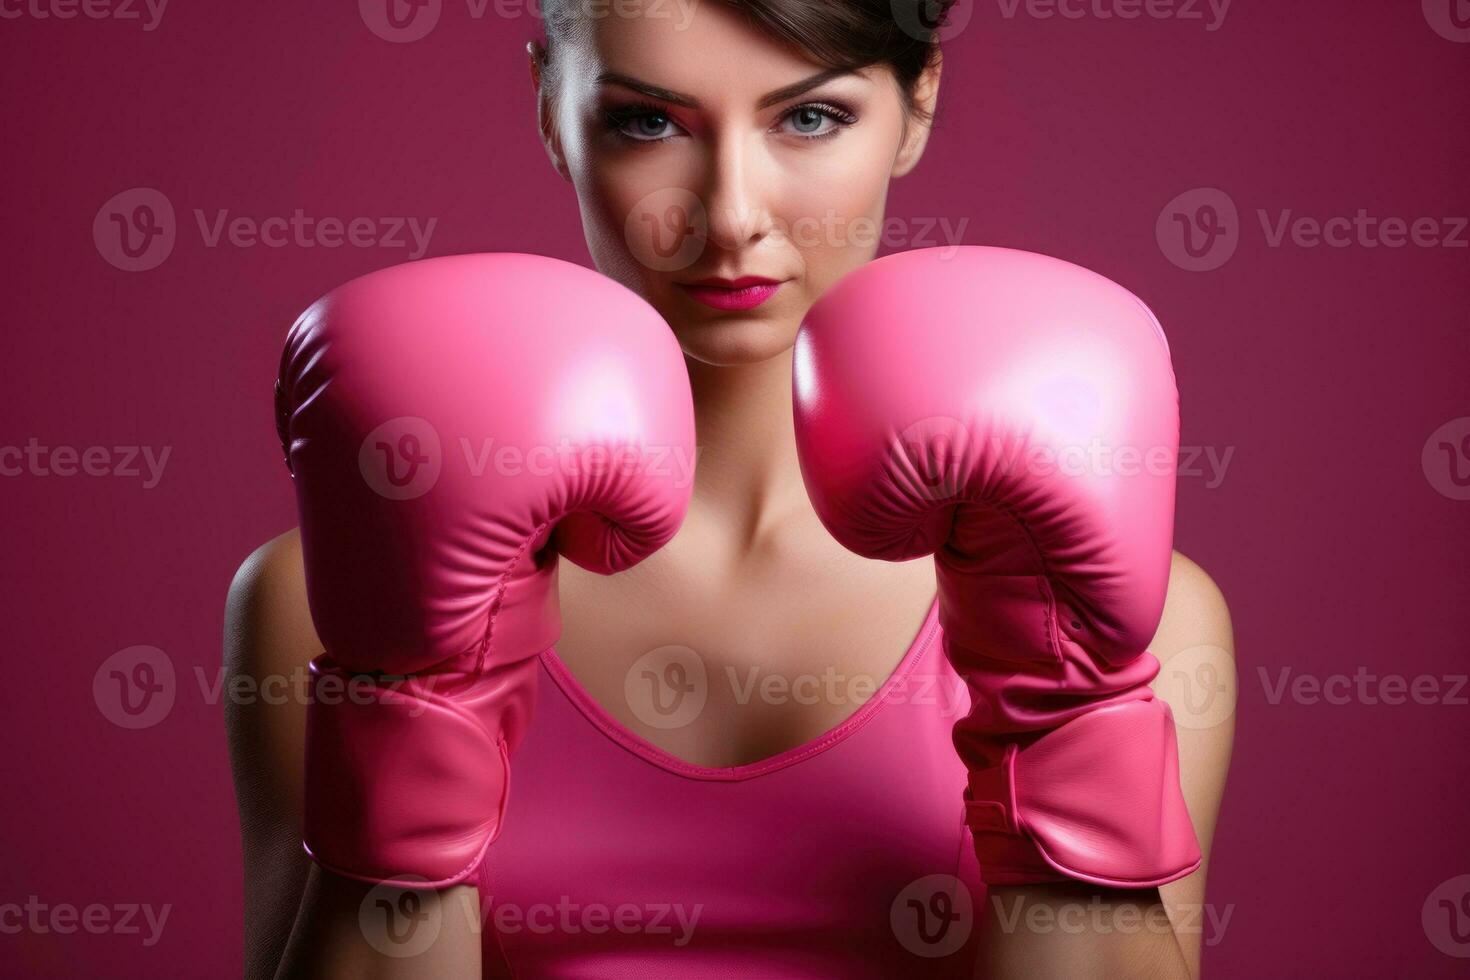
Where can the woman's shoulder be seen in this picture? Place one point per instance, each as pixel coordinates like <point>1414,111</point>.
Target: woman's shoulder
<point>268,626</point>
<point>1195,647</point>
<point>1195,610</point>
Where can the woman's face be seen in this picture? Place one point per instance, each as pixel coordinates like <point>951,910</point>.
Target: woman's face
<point>705,153</point>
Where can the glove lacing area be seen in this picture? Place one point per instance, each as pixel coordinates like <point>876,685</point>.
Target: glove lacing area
<point>409,779</point>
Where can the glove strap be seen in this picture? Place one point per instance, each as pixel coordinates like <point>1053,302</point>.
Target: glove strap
<point>1095,800</point>
<point>407,778</point>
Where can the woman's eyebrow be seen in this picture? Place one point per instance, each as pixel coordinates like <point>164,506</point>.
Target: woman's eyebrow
<point>653,91</point>
<point>770,99</point>
<point>805,85</point>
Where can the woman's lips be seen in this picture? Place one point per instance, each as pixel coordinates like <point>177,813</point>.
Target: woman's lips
<point>738,294</point>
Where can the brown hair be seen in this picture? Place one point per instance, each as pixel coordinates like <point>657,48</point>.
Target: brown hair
<point>849,34</point>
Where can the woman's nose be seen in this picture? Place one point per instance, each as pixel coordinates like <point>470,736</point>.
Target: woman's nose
<point>736,191</point>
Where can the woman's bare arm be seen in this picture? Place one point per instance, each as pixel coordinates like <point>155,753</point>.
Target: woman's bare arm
<point>300,921</point>
<point>1077,930</point>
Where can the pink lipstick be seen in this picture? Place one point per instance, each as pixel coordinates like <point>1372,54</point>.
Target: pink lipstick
<point>745,293</point>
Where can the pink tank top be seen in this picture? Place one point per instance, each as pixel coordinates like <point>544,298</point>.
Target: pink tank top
<point>843,857</point>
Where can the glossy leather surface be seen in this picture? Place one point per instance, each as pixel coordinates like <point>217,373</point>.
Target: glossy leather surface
<point>452,426</point>
<point>1016,416</point>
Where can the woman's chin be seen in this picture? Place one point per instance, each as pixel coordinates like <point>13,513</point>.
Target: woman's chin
<point>734,339</point>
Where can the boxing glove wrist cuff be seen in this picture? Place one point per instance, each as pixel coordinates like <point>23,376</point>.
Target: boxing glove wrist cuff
<point>407,778</point>
<point>1095,800</point>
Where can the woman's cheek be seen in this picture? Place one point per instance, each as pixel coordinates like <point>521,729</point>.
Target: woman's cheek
<point>837,222</point>
<point>646,221</point>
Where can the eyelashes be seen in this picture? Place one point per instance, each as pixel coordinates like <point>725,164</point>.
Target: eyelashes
<point>617,121</point>
<point>840,115</point>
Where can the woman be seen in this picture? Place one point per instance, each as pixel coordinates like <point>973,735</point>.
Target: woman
<point>771,128</point>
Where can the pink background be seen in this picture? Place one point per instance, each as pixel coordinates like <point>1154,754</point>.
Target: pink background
<point>1325,369</point>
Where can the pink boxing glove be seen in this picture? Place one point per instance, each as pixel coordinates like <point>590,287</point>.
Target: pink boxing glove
<point>1016,416</point>
<point>452,426</point>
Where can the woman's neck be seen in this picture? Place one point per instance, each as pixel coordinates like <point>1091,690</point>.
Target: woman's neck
<point>747,469</point>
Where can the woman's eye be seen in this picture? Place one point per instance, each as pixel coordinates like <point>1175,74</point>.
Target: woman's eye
<point>815,121</point>
<point>644,126</point>
<point>807,120</point>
